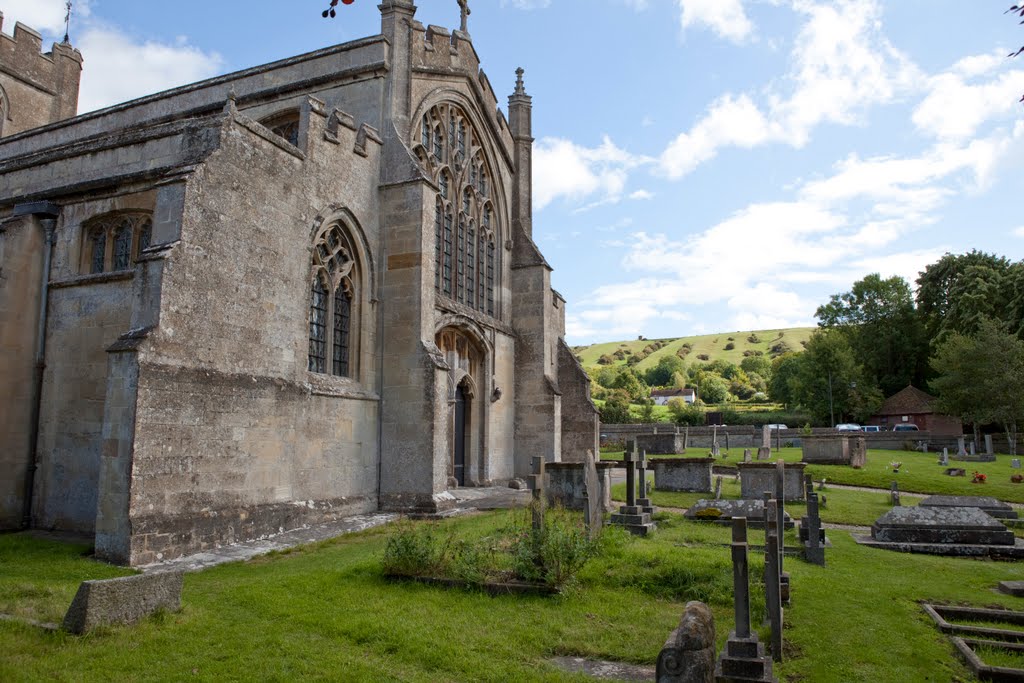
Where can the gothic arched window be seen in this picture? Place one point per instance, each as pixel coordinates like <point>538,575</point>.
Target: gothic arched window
<point>333,306</point>
<point>113,243</point>
<point>466,267</point>
<point>285,125</point>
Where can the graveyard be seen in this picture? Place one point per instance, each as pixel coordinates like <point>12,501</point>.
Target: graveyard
<point>330,606</point>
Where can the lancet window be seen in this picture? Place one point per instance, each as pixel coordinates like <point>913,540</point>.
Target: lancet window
<point>285,125</point>
<point>333,304</point>
<point>113,243</point>
<point>465,225</point>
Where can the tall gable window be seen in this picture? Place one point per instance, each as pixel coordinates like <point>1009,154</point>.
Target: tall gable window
<point>284,125</point>
<point>113,243</point>
<point>333,304</point>
<point>465,225</point>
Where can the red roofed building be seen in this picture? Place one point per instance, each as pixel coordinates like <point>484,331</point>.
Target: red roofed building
<point>913,406</point>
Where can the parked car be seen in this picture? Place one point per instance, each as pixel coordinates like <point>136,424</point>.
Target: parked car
<point>848,427</point>
<point>871,428</point>
<point>906,428</point>
<point>777,426</point>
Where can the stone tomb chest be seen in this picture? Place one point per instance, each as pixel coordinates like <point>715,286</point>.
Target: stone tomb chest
<point>758,477</point>
<point>567,484</point>
<point>952,525</point>
<point>668,443</point>
<point>835,449</point>
<point>993,507</point>
<point>722,512</point>
<point>683,474</point>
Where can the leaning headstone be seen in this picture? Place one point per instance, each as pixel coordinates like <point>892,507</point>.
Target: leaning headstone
<point>125,600</point>
<point>961,448</point>
<point>718,488</point>
<point>537,490</point>
<point>688,655</point>
<point>743,657</point>
<point>764,453</point>
<point>595,516</point>
<point>1015,463</point>
<point>894,494</point>
<point>989,449</point>
<point>746,455</point>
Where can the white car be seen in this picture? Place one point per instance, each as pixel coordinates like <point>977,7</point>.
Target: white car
<point>777,426</point>
<point>848,427</point>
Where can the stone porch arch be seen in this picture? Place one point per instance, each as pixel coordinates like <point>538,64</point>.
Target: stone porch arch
<point>468,354</point>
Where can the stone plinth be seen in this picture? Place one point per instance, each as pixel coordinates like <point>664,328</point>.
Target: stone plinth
<point>692,475</point>
<point>722,512</point>
<point>125,600</point>
<point>567,484</point>
<point>949,525</point>
<point>758,477</point>
<point>835,449</point>
<point>991,506</point>
<point>668,443</point>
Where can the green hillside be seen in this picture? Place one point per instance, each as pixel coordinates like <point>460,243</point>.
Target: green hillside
<point>711,345</point>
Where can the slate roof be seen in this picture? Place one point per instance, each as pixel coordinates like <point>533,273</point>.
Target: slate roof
<point>908,401</point>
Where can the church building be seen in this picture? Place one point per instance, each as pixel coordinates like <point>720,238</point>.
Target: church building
<point>279,297</point>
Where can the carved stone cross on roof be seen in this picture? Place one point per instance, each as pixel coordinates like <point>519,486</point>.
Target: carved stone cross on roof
<point>464,11</point>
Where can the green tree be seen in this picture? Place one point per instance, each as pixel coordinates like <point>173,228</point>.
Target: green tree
<point>630,382</point>
<point>979,377</point>
<point>661,374</point>
<point>713,389</point>
<point>829,383</point>
<point>685,413</point>
<point>647,410</point>
<point>879,321</point>
<point>958,290</point>
<point>616,408</point>
<point>785,369</point>
<point>758,365</point>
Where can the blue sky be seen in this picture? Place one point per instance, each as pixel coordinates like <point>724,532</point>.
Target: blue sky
<point>700,165</point>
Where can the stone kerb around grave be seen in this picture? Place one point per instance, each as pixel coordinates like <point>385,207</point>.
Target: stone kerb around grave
<point>758,477</point>
<point>567,484</point>
<point>835,449</point>
<point>692,475</point>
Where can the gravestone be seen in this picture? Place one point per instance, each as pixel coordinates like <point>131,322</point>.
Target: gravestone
<point>1015,463</point>
<point>766,437</point>
<point>944,460</point>
<point>642,501</point>
<point>746,455</point>
<point>688,655</point>
<point>961,448</point>
<point>973,453</point>
<point>723,512</point>
<point>758,477</point>
<point>894,494</point>
<point>536,483</point>
<point>811,532</point>
<point>989,449</point>
<point>630,516</point>
<point>764,453</point>
<point>773,582</point>
<point>594,507</point>
<point>718,488</point>
<point>991,506</point>
<point>743,658</point>
<point>940,525</point>
<point>834,449</point>
<point>123,601</point>
<point>778,525</point>
<point>714,439</point>
<point>714,450</point>
<point>691,475</point>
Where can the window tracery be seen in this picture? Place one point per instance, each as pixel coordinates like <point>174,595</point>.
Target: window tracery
<point>466,267</point>
<point>333,306</point>
<point>284,125</point>
<point>113,243</point>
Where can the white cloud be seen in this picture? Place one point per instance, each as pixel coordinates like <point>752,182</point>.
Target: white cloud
<point>955,108</point>
<point>641,195</point>
<point>565,169</point>
<point>1018,232</point>
<point>154,67</point>
<point>526,4</point>
<point>45,16</point>
<point>724,17</point>
<point>730,121</point>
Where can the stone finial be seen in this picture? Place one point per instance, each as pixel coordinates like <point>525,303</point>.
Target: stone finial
<point>520,88</point>
<point>67,23</point>
<point>464,13</point>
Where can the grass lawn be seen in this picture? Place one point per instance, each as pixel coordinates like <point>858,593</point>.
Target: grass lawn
<point>323,612</point>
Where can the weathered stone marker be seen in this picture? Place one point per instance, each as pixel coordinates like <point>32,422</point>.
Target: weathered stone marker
<point>746,455</point>
<point>743,658</point>
<point>718,488</point>
<point>1015,463</point>
<point>811,533</point>
<point>989,448</point>
<point>894,494</point>
<point>973,450</point>
<point>780,519</point>
<point>686,438</point>
<point>642,501</point>
<point>125,600</point>
<point>593,508</point>
<point>773,583</point>
<point>766,437</point>
<point>944,460</point>
<point>537,490</point>
<point>764,453</point>
<point>727,442</point>
<point>688,655</point>
<point>961,448</point>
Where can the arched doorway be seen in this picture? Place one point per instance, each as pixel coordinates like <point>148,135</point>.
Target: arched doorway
<point>459,435</point>
<point>466,358</point>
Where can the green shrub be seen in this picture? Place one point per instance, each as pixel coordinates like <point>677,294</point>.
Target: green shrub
<point>411,551</point>
<point>730,346</point>
<point>554,553</point>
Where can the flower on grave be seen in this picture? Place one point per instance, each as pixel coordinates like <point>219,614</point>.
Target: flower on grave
<point>895,465</point>
<point>979,478</point>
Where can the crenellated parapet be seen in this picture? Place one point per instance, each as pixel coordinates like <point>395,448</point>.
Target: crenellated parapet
<point>36,87</point>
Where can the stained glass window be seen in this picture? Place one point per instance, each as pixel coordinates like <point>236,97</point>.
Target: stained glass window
<point>99,250</point>
<point>318,327</point>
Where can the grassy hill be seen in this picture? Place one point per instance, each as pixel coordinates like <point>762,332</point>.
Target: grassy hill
<point>711,345</point>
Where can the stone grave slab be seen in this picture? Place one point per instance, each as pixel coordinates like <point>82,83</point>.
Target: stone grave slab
<point>1014,588</point>
<point>993,507</point>
<point>123,600</point>
<point>940,525</point>
<point>722,512</point>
